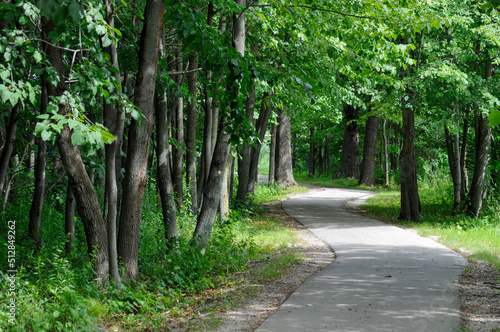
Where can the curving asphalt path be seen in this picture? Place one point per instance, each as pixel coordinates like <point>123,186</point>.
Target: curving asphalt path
<point>384,278</point>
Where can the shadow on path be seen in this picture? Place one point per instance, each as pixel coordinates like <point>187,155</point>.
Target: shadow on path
<point>383,279</point>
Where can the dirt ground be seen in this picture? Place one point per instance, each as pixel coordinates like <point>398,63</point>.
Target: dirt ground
<point>479,291</point>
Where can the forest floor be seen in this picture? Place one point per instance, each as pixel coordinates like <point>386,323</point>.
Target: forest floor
<point>245,307</point>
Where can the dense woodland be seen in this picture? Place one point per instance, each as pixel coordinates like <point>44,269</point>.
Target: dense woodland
<point>110,107</point>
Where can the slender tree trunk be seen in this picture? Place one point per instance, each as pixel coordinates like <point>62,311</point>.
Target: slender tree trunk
<point>212,192</point>
<point>327,155</point>
<point>463,155</point>
<point>178,133</point>
<point>192,114</point>
<point>272,155</point>
<point>226,192</point>
<point>139,138</point>
<point>410,200</point>
<point>453,149</point>
<point>114,120</point>
<point>8,146</point>
<point>367,176</point>
<point>246,154</point>
<point>262,121</point>
<point>164,171</point>
<point>349,163</point>
<point>483,142</point>
<point>284,171</point>
<point>386,154</point>
<point>35,224</point>
<point>311,152</point>
<point>69,220</point>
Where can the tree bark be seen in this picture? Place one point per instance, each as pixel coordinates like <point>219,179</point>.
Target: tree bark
<point>311,152</point>
<point>114,120</point>
<point>212,192</point>
<point>410,200</point>
<point>367,176</point>
<point>178,133</point>
<point>35,223</point>
<point>349,163</point>
<point>386,154</point>
<point>272,155</point>
<point>164,171</point>
<point>192,114</point>
<point>262,121</point>
<point>69,220</point>
<point>453,150</point>
<point>8,146</point>
<point>139,138</point>
<point>246,154</point>
<point>284,170</point>
<point>483,142</point>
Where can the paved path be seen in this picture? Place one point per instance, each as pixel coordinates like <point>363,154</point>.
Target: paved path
<point>383,279</point>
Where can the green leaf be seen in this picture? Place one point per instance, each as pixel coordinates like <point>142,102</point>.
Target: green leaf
<point>19,41</point>
<point>100,29</point>
<point>51,108</point>
<point>77,138</point>
<point>4,74</point>
<point>76,10</point>
<point>494,118</point>
<point>46,135</point>
<point>106,41</point>
<point>37,56</point>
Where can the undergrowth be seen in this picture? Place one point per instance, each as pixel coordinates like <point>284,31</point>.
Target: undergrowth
<point>55,291</point>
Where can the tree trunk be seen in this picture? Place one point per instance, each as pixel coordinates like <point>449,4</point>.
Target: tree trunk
<point>483,141</point>
<point>192,114</point>
<point>262,121</point>
<point>212,193</point>
<point>321,161</point>
<point>367,176</point>
<point>246,154</point>
<point>349,163</point>
<point>272,155</point>
<point>463,155</point>
<point>178,133</point>
<point>226,191</point>
<point>453,149</point>
<point>35,223</point>
<point>410,200</point>
<point>386,155</point>
<point>164,171</point>
<point>284,170</point>
<point>79,181</point>
<point>114,120</point>
<point>311,152</point>
<point>139,137</point>
<point>69,220</point>
<point>8,146</point>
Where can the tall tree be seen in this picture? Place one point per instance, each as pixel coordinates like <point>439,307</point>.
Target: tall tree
<point>367,176</point>
<point>283,169</point>
<point>349,164</point>
<point>139,135</point>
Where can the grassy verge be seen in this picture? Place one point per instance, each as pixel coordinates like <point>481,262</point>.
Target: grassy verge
<point>326,181</point>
